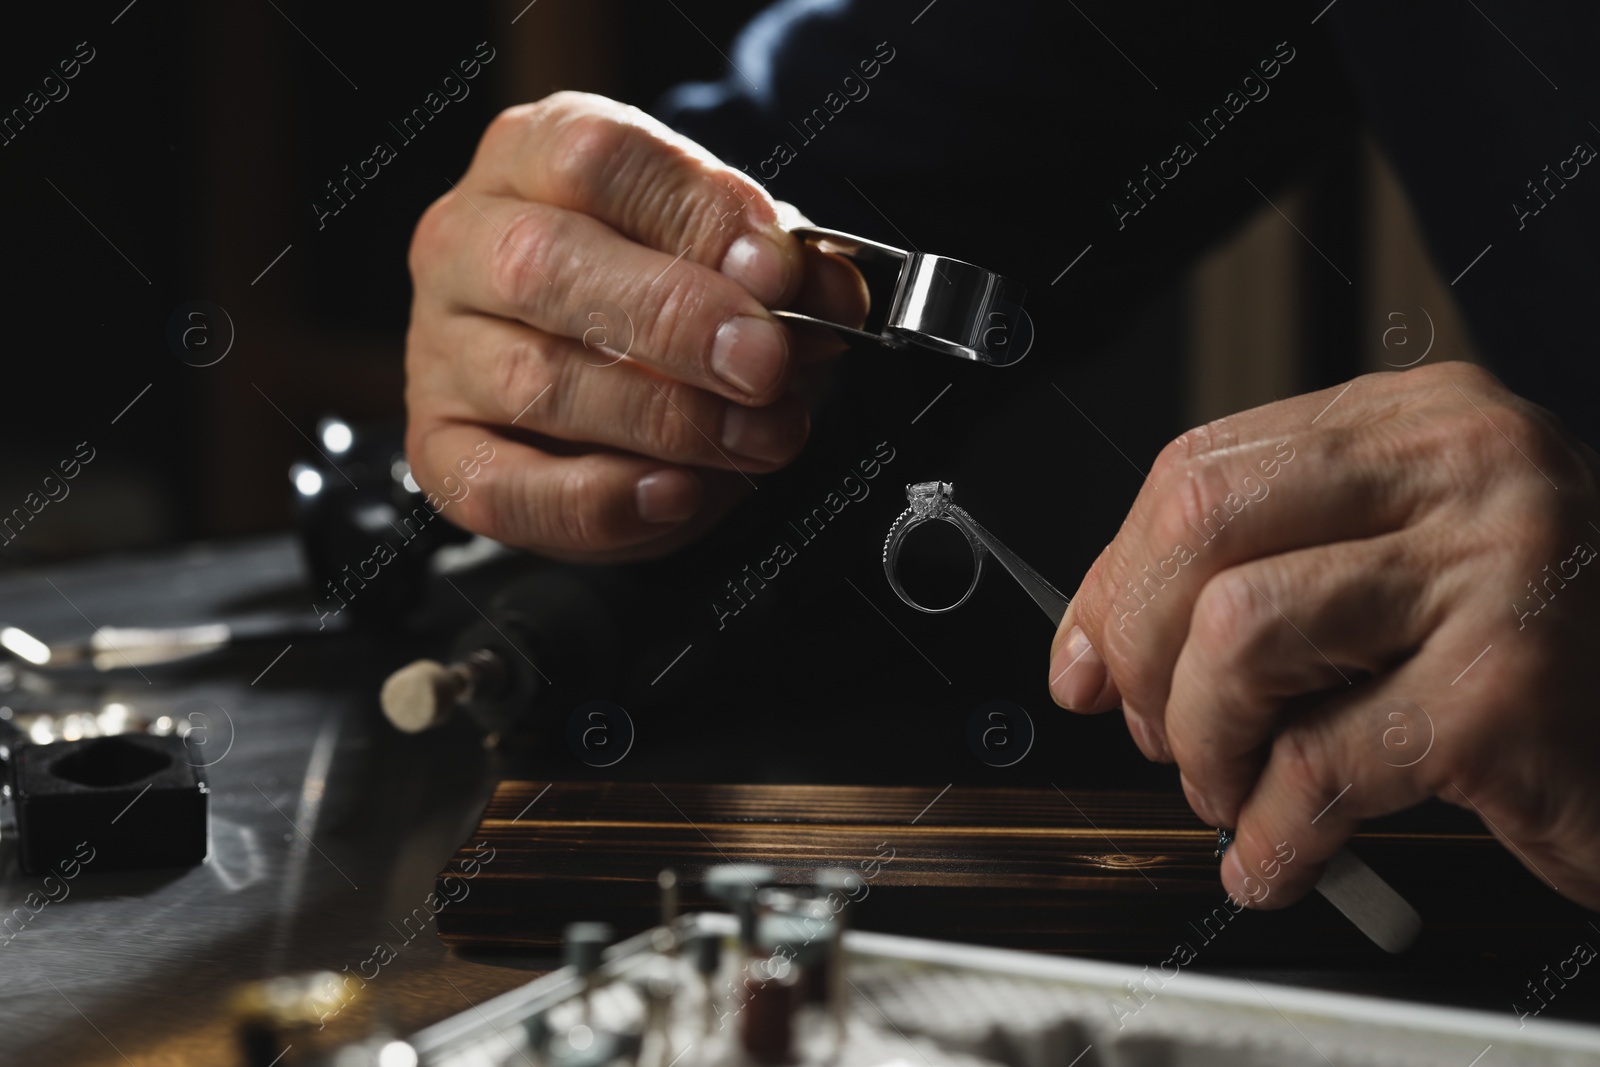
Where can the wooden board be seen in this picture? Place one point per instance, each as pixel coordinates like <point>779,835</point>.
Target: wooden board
<point>1122,875</point>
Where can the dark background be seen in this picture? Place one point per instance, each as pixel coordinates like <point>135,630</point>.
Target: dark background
<point>194,142</point>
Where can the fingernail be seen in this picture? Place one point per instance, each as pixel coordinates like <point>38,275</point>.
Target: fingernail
<point>1233,874</point>
<point>1198,801</point>
<point>758,265</point>
<point>667,496</point>
<point>750,354</point>
<point>760,433</point>
<point>1077,673</point>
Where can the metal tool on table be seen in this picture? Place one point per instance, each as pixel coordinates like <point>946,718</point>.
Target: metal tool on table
<point>344,509</point>
<point>1348,883</point>
<point>802,991</point>
<point>112,648</point>
<point>935,303</point>
<point>498,670</point>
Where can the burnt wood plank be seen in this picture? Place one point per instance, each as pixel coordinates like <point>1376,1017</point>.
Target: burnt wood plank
<point>1122,875</point>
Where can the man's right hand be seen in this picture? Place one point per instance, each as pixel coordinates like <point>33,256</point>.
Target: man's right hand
<point>592,297</point>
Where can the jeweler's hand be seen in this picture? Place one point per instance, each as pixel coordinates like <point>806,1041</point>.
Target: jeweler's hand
<point>1335,606</point>
<point>592,296</point>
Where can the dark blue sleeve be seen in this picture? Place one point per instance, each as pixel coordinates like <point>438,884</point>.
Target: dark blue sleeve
<point>821,90</point>
<point>1007,132</point>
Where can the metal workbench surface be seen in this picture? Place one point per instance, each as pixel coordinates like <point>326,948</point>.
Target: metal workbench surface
<point>327,828</point>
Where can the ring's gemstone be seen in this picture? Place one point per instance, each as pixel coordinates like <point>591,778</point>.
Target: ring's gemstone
<point>929,499</point>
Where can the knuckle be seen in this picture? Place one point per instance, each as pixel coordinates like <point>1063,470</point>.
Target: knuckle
<point>1447,437</point>
<point>1175,455</point>
<point>1500,433</point>
<point>429,239</point>
<point>563,101</point>
<point>703,207</point>
<point>1303,758</point>
<point>419,354</point>
<point>1190,447</point>
<point>1229,619</point>
<point>1492,440</point>
<point>661,184</point>
<point>1188,727</point>
<point>1493,421</point>
<point>520,263</point>
<point>663,428</point>
<point>1533,434</point>
<point>679,323</point>
<point>687,214</point>
<point>1458,372</point>
<point>1509,423</point>
<point>521,371</point>
<point>1194,507</point>
<point>1171,460</point>
<point>511,125</point>
<point>581,516</point>
<point>584,148</point>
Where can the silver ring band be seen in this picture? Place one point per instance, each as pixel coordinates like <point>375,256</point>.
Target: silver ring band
<point>931,501</point>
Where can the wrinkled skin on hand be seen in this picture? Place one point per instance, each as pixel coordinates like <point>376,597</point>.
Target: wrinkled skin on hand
<point>593,298</point>
<point>1335,606</point>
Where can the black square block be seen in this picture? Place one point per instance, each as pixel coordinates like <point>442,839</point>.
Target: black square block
<point>135,800</point>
